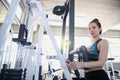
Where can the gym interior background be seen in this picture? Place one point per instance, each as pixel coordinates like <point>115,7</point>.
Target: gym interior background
<point>107,11</point>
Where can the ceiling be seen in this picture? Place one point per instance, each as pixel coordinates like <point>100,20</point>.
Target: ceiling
<point>2,12</point>
<point>107,11</point>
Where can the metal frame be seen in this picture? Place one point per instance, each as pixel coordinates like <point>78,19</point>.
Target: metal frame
<point>71,24</point>
<point>47,26</point>
<point>7,22</point>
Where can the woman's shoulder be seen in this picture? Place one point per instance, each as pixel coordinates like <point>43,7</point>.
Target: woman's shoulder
<point>104,41</point>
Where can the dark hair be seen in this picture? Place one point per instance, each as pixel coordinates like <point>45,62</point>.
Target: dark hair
<point>96,21</point>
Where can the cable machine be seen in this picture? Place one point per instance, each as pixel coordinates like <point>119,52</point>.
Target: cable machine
<point>25,32</point>
<point>22,40</point>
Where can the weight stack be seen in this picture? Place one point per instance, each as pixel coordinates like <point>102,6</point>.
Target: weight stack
<point>75,79</point>
<point>13,74</point>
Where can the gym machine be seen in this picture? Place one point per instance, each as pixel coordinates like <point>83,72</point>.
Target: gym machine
<point>22,40</point>
<point>12,74</point>
<point>8,74</point>
<point>64,10</point>
<point>7,23</point>
<point>19,72</point>
<point>82,55</point>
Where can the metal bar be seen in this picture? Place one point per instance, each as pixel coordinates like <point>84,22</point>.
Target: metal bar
<point>71,30</point>
<point>39,53</point>
<point>64,26</point>
<point>30,34</point>
<point>71,24</point>
<point>30,28</point>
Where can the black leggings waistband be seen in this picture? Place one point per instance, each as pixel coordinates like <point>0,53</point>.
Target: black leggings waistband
<point>97,75</point>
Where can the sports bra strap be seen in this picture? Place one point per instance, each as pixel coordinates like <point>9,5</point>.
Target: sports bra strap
<point>98,41</point>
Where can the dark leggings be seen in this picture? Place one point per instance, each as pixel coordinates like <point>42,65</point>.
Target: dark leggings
<point>97,75</point>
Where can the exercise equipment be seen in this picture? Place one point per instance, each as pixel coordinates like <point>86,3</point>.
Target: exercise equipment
<point>22,36</point>
<point>17,72</point>
<point>7,24</point>
<point>12,74</point>
<point>59,10</point>
<point>9,74</point>
<point>22,39</point>
<point>82,57</point>
<point>60,57</point>
<point>81,52</point>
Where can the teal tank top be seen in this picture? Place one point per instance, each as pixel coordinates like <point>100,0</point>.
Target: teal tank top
<point>93,52</point>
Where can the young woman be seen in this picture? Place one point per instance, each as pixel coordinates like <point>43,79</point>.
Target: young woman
<point>98,52</point>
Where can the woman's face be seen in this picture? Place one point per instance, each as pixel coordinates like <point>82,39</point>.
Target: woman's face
<point>94,30</point>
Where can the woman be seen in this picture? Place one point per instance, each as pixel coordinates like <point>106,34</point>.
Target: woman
<point>97,55</point>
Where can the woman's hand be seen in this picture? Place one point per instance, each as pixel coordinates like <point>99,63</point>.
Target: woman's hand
<point>74,64</point>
